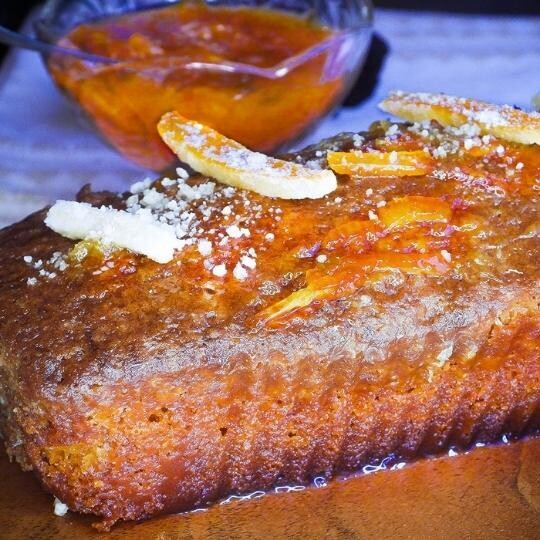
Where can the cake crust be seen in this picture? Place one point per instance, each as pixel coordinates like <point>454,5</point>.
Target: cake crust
<point>133,388</point>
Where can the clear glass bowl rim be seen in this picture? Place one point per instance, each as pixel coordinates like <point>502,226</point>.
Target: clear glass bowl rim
<point>47,27</point>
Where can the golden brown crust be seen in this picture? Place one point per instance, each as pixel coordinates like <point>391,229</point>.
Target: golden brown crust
<point>151,388</point>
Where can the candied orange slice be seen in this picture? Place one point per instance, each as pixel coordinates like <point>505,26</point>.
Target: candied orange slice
<point>404,211</point>
<point>348,278</point>
<point>292,303</point>
<point>319,287</point>
<point>404,163</point>
<point>504,121</point>
<point>227,161</point>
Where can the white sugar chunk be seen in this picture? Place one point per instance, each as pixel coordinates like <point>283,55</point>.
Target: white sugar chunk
<point>139,187</point>
<point>153,198</point>
<point>240,272</point>
<point>182,173</point>
<point>168,182</point>
<point>204,247</point>
<point>135,232</point>
<point>249,262</point>
<point>233,231</point>
<point>60,509</point>
<point>220,270</point>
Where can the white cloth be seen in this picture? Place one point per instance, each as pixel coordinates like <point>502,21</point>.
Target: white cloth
<point>45,153</point>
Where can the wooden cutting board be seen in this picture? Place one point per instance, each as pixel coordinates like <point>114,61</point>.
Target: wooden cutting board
<point>488,493</point>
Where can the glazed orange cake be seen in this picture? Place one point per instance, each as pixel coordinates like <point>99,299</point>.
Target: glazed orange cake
<point>250,321</point>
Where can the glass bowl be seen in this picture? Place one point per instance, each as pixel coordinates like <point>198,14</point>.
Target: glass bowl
<point>125,99</point>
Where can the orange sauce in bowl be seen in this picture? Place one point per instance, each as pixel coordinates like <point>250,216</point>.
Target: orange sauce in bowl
<point>126,100</point>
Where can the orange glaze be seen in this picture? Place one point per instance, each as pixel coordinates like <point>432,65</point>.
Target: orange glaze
<point>126,101</point>
<point>450,225</point>
<point>414,234</point>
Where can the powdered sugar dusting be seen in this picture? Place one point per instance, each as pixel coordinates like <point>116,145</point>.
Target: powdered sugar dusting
<point>504,121</point>
<point>237,157</point>
<point>211,218</point>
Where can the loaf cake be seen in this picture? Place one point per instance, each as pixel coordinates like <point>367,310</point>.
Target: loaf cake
<point>285,337</point>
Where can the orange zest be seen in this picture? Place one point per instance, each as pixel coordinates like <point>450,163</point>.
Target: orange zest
<point>405,211</point>
<point>405,163</point>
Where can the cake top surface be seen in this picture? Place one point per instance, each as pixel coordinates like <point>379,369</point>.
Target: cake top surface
<point>430,229</point>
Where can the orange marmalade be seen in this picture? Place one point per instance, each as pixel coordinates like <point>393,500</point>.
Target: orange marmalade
<point>125,100</point>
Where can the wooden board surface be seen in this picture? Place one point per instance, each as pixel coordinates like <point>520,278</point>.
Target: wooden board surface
<point>489,493</point>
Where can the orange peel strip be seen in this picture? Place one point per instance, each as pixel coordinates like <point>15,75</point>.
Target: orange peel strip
<point>404,211</point>
<point>208,152</point>
<point>505,122</point>
<point>412,163</point>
